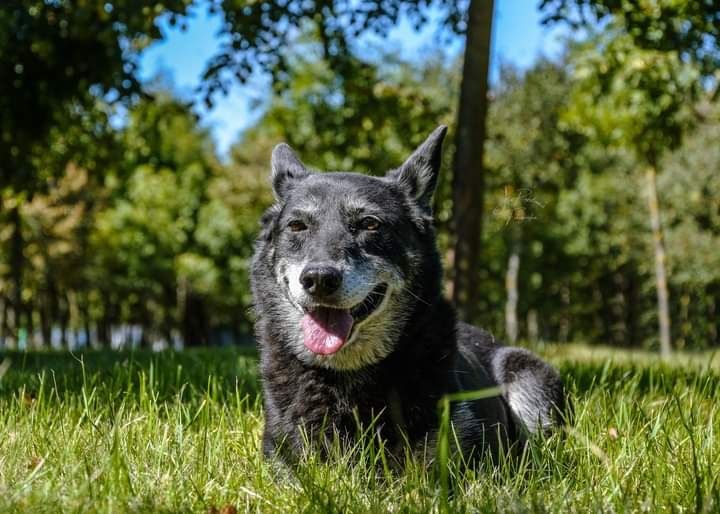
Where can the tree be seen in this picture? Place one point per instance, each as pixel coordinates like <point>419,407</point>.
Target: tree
<point>469,167</point>
<point>260,34</point>
<point>531,158</point>
<point>57,57</point>
<point>604,254</point>
<point>653,57</point>
<point>686,26</point>
<point>146,240</point>
<point>369,121</point>
<point>57,60</point>
<point>691,186</point>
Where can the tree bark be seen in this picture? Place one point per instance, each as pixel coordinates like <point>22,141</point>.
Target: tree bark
<point>195,323</point>
<point>712,318</point>
<point>511,287</point>
<point>45,319</point>
<point>195,326</point>
<point>3,320</point>
<point>17,260</point>
<point>663,298</point>
<point>564,329</point>
<point>533,329</point>
<point>468,176</point>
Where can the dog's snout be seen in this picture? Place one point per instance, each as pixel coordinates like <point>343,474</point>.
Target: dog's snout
<point>321,280</point>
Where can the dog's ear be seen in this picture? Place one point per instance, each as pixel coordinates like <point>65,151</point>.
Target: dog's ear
<point>418,174</point>
<point>286,169</point>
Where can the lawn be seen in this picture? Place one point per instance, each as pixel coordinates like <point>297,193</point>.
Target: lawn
<point>180,432</point>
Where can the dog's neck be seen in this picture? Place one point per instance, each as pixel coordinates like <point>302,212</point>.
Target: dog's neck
<point>429,335</point>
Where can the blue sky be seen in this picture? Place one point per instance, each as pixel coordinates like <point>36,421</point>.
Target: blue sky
<point>518,38</point>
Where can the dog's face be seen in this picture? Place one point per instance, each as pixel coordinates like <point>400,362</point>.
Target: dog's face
<point>343,253</point>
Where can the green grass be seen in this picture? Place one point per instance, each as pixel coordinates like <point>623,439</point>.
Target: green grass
<point>180,432</point>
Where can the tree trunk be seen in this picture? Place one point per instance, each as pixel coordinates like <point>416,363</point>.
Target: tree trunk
<point>105,322</point>
<point>712,332</point>
<point>564,329</point>
<point>195,323</point>
<point>17,260</point>
<point>633,302</point>
<point>195,326</point>
<point>30,320</point>
<point>511,287</point>
<point>468,176</point>
<point>45,320</point>
<point>85,318</point>
<point>64,316</point>
<point>663,298</point>
<point>533,329</point>
<point>3,320</point>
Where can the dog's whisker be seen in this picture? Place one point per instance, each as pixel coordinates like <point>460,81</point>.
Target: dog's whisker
<point>416,296</point>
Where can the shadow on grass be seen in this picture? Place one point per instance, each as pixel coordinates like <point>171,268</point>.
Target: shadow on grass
<point>222,372</point>
<point>653,378</point>
<point>226,373</point>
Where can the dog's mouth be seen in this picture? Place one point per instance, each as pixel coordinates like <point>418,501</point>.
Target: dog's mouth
<point>370,304</point>
<point>327,329</point>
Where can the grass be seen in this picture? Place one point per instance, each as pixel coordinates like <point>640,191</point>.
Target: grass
<point>180,432</point>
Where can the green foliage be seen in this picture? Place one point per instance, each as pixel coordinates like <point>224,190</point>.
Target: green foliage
<point>565,194</point>
<point>527,144</point>
<point>259,34</point>
<point>629,97</point>
<point>686,26</point>
<point>56,60</point>
<point>633,93</point>
<point>691,185</point>
<point>368,120</point>
<point>531,158</point>
<point>170,231</point>
<point>140,223</point>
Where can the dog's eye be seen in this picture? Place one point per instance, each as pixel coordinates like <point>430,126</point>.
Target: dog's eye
<point>369,223</point>
<point>297,226</point>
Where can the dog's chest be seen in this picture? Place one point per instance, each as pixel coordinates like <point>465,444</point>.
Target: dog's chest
<point>316,396</point>
<point>318,400</point>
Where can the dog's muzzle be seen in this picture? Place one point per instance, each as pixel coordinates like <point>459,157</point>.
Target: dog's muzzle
<point>326,329</point>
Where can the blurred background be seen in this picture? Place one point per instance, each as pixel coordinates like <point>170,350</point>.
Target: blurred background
<point>579,200</point>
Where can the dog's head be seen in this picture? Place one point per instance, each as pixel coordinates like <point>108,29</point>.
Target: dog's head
<point>339,265</point>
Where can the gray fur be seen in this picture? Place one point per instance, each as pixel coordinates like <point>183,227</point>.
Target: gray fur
<point>410,351</point>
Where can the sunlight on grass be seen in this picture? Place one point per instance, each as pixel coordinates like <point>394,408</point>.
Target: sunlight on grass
<point>180,432</point>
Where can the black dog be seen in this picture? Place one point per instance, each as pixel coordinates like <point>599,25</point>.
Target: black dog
<point>352,324</point>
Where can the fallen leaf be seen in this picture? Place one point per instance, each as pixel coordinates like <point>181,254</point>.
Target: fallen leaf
<point>227,509</point>
<point>35,463</point>
<point>28,399</point>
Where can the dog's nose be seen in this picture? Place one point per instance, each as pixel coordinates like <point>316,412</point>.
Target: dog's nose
<point>320,280</point>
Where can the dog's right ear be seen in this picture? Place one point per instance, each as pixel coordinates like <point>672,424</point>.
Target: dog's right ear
<point>286,169</point>
<point>418,174</point>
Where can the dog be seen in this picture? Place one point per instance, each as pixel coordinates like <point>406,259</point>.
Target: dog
<point>353,329</point>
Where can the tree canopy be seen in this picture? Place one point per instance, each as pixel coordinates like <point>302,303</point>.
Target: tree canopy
<point>56,60</point>
<point>121,224</point>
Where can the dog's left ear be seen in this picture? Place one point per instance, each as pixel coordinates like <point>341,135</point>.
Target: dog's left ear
<point>418,174</point>
<point>286,169</point>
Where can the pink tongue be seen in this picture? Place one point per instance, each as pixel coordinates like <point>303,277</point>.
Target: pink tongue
<point>326,330</point>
